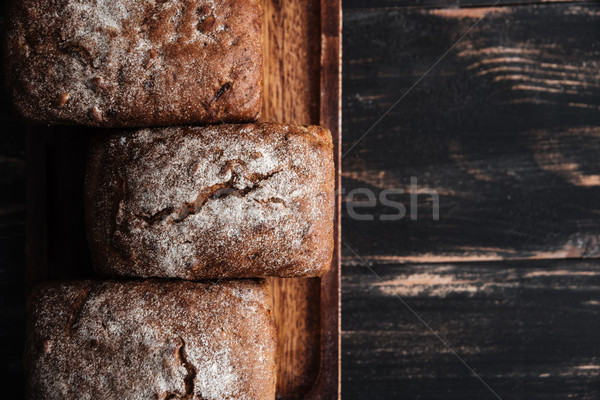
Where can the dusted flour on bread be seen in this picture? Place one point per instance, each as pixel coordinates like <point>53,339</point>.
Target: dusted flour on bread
<point>118,63</point>
<point>151,340</point>
<point>212,202</point>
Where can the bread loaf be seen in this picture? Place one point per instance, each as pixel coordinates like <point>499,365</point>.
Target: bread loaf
<point>223,201</point>
<point>117,63</point>
<point>150,340</point>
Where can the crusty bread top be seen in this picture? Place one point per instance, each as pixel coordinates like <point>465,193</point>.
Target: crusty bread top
<point>211,202</point>
<point>151,340</point>
<point>135,63</point>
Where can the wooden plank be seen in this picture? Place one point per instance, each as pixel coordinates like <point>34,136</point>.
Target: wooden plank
<point>506,129</point>
<point>529,329</point>
<point>359,5</point>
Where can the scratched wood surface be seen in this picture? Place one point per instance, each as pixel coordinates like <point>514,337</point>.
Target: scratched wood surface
<point>350,5</point>
<point>506,129</point>
<point>528,328</point>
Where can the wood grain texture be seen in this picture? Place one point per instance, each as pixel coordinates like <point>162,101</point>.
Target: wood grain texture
<point>528,328</point>
<point>291,61</point>
<point>360,5</point>
<point>292,93</point>
<point>505,128</point>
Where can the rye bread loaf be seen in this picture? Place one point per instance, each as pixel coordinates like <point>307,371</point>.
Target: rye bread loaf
<point>117,63</point>
<point>150,340</point>
<point>224,201</point>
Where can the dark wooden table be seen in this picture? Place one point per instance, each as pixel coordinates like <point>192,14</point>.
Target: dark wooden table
<point>500,297</point>
<point>501,294</point>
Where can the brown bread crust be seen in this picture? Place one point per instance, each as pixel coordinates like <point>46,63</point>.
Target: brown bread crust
<point>150,340</point>
<point>117,63</point>
<point>224,201</point>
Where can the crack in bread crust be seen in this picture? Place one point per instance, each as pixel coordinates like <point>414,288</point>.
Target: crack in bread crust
<point>219,201</point>
<point>218,191</point>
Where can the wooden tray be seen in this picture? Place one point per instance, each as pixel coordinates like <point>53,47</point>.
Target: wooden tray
<point>302,49</point>
<point>302,78</point>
